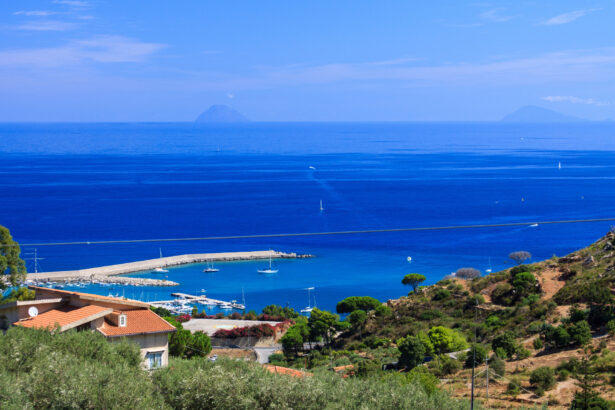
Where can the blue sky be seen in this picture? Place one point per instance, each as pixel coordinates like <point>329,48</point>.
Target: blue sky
<point>96,60</point>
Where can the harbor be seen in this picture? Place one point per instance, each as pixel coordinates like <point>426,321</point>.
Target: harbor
<point>110,273</point>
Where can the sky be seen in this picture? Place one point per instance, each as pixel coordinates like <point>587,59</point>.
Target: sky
<point>450,60</point>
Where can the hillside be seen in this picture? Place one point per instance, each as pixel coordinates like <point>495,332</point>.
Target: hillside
<point>220,114</point>
<point>557,313</point>
<point>534,114</point>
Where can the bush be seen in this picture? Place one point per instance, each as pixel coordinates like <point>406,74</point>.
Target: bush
<point>542,378</point>
<point>441,294</point>
<point>383,311</point>
<point>498,366</point>
<point>556,336</point>
<point>610,327</point>
<point>446,340</point>
<point>276,358</point>
<point>478,351</point>
<point>502,294</point>
<point>562,375</point>
<point>523,353</point>
<point>445,365</point>
<point>412,351</point>
<point>426,380</point>
<point>493,321</point>
<point>538,343</point>
<point>467,273</point>
<point>513,387</point>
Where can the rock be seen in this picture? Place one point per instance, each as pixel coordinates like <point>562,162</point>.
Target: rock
<point>589,260</point>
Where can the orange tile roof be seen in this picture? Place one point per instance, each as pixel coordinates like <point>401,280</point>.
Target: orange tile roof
<point>287,371</point>
<point>92,296</point>
<point>138,322</point>
<point>64,316</point>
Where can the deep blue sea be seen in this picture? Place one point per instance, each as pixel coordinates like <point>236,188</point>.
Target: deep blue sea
<point>89,182</point>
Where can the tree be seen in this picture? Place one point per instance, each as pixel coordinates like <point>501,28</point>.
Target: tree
<point>12,267</point>
<point>20,294</point>
<point>580,333</point>
<point>587,398</point>
<point>178,342</point>
<point>292,341</point>
<point>520,256</point>
<point>322,323</point>
<point>352,303</point>
<point>525,283</point>
<point>477,354</point>
<point>357,319</point>
<point>467,273</point>
<point>446,340</point>
<point>412,351</point>
<point>413,279</point>
<point>507,342</point>
<point>198,345</point>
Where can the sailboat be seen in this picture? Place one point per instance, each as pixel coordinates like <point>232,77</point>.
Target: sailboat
<point>309,308</point>
<point>269,269</point>
<point>559,165</point>
<point>210,268</point>
<point>489,270</point>
<point>321,208</point>
<point>160,270</point>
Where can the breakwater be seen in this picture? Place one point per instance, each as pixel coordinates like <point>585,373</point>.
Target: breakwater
<point>109,273</point>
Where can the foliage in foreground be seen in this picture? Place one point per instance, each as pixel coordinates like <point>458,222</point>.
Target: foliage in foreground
<point>83,370</point>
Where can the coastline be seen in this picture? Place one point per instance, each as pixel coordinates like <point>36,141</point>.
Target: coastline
<point>109,273</point>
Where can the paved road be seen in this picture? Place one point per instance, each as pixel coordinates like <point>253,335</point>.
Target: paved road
<point>263,353</point>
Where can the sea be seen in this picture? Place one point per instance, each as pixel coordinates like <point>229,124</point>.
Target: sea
<point>88,182</point>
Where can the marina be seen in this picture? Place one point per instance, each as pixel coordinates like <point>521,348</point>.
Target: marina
<point>183,303</point>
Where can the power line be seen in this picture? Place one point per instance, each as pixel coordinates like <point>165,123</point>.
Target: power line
<point>306,234</point>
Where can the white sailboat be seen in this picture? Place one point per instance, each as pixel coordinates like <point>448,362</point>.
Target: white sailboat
<point>489,270</point>
<point>309,308</point>
<point>559,165</point>
<point>160,270</point>
<point>210,268</point>
<point>270,269</point>
<point>321,208</point>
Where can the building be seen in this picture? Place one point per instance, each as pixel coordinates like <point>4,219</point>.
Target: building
<point>115,318</point>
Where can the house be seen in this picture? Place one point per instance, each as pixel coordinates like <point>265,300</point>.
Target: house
<point>115,318</point>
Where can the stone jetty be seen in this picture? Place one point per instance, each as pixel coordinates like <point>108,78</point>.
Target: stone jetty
<point>109,273</point>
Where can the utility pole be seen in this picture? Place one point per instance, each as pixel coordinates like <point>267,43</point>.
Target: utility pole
<point>474,355</point>
<point>487,364</point>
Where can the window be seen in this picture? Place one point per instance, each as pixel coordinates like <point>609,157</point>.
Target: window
<point>122,320</point>
<point>154,360</point>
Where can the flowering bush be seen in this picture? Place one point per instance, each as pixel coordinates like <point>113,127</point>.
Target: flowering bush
<point>183,318</point>
<point>257,331</point>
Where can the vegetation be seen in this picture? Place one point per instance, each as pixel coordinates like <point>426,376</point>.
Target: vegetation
<point>12,267</point>
<point>520,256</point>
<point>467,273</point>
<point>84,370</point>
<point>352,303</point>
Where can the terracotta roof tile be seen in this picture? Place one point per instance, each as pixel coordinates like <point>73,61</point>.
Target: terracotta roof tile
<point>91,296</point>
<point>138,322</point>
<point>64,316</point>
<point>287,371</point>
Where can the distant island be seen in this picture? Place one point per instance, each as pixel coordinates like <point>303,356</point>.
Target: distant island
<point>532,113</point>
<point>220,114</point>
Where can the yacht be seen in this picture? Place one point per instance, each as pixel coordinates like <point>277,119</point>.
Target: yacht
<point>210,268</point>
<point>270,269</point>
<point>160,270</point>
<point>321,208</point>
<point>489,269</point>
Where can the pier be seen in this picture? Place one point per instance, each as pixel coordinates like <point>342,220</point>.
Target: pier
<point>179,305</point>
<point>104,273</point>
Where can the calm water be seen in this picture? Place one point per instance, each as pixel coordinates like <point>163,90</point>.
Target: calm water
<point>73,182</point>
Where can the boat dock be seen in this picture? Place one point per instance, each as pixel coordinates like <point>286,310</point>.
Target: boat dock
<point>178,305</point>
<point>103,273</point>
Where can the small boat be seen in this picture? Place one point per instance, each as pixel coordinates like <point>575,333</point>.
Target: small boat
<point>160,270</point>
<point>409,259</point>
<point>225,306</point>
<point>489,269</point>
<point>321,208</point>
<point>533,225</point>
<point>312,167</point>
<point>309,308</point>
<point>269,269</point>
<point>210,268</point>
<point>559,165</point>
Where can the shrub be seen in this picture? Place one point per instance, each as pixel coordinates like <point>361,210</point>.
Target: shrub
<point>500,353</point>
<point>538,343</point>
<point>441,294</point>
<point>542,378</point>
<point>523,353</point>
<point>562,375</point>
<point>610,327</point>
<point>513,387</point>
<point>467,273</point>
<point>426,380</point>
<point>502,294</point>
<point>493,321</point>
<point>383,311</point>
<point>447,365</point>
<point>276,358</point>
<point>556,336</point>
<point>497,365</point>
<point>446,340</point>
<point>576,315</point>
<point>478,351</point>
